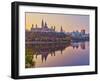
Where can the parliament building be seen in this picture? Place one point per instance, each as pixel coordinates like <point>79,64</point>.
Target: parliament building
<point>45,34</point>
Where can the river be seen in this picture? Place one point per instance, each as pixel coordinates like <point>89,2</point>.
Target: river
<point>57,54</point>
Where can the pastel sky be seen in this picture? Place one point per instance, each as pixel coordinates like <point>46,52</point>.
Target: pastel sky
<point>69,22</point>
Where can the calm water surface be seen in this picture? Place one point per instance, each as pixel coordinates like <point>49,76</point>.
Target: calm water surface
<point>57,54</point>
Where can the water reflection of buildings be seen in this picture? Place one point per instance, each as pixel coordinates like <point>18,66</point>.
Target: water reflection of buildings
<point>44,50</point>
<point>77,45</point>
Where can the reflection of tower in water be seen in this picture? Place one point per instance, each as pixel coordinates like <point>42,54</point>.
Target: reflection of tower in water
<point>45,49</point>
<point>82,45</point>
<point>44,56</point>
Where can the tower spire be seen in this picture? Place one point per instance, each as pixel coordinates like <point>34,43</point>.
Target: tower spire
<point>42,24</point>
<point>61,30</point>
<point>45,25</point>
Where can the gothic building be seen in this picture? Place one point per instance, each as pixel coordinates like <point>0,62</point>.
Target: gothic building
<point>45,33</point>
<point>44,28</point>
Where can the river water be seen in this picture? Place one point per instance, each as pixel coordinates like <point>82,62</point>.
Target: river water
<point>57,54</point>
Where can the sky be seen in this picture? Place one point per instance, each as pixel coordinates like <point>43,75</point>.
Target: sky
<point>69,22</point>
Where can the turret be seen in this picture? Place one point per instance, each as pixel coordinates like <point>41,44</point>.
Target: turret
<point>32,25</point>
<point>36,26</point>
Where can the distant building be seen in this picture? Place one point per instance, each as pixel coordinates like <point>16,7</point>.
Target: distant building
<point>76,35</point>
<point>83,31</point>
